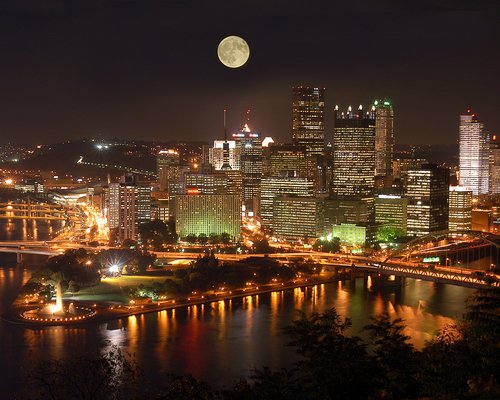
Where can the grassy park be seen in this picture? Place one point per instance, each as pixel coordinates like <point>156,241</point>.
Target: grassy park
<point>113,290</point>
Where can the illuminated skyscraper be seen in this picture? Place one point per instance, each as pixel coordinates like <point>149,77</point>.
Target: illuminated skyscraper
<point>401,166</point>
<point>354,154</point>
<point>249,145</point>
<point>494,164</point>
<point>160,208</point>
<point>391,210</point>
<point>197,213</point>
<point>285,157</point>
<point>272,187</point>
<point>308,119</point>
<point>211,183</point>
<point>129,206</point>
<point>297,218</point>
<point>167,168</point>
<point>384,137</point>
<point>428,194</point>
<point>474,154</point>
<point>224,152</point>
<point>460,212</point>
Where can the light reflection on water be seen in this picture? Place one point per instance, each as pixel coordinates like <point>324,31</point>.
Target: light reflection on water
<point>224,340</point>
<point>221,341</point>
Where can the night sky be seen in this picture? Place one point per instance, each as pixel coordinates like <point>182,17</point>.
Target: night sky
<point>148,69</point>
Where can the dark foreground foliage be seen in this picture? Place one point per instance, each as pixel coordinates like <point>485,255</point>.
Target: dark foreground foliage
<point>463,362</point>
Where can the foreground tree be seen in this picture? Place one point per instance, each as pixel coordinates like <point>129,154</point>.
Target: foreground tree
<point>91,377</point>
<point>268,384</point>
<point>481,331</point>
<point>396,367</point>
<point>187,388</point>
<point>445,366</point>
<point>333,365</point>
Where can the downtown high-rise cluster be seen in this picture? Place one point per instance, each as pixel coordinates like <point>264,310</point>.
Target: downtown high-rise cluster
<point>344,181</point>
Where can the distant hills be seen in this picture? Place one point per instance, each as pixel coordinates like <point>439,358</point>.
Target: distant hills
<point>62,158</point>
<point>437,153</point>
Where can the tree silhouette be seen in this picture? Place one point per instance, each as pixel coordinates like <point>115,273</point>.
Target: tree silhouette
<point>333,365</point>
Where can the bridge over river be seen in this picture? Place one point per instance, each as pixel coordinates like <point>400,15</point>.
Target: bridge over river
<point>395,266</point>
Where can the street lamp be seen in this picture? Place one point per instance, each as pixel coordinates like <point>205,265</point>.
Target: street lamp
<point>114,269</point>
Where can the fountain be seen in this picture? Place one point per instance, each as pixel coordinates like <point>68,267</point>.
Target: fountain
<point>55,312</point>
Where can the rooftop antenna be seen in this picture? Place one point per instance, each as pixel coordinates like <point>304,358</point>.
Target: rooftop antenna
<point>225,147</point>
<point>225,126</point>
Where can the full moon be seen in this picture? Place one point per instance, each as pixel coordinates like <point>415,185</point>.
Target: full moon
<point>233,52</point>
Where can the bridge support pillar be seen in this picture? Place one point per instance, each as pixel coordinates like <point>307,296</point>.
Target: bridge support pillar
<point>19,258</point>
<point>381,280</point>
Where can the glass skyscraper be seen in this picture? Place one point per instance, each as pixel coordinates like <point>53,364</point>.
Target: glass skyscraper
<point>249,145</point>
<point>167,168</point>
<point>460,214</point>
<point>384,137</point>
<point>428,199</point>
<point>354,154</point>
<point>308,119</point>
<point>474,154</point>
<point>494,164</point>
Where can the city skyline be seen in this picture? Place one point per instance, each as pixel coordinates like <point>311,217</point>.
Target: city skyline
<point>128,69</point>
<point>231,200</point>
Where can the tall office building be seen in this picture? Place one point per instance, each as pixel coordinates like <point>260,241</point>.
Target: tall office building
<point>297,218</point>
<point>354,153</point>
<point>351,211</point>
<point>167,168</point>
<point>285,157</point>
<point>197,213</point>
<point>401,166</point>
<point>308,119</point>
<point>160,207</point>
<point>321,172</point>
<point>494,164</point>
<point>384,137</point>
<point>224,153</point>
<point>460,210</point>
<point>112,205</point>
<point>428,197</point>
<point>249,144</point>
<point>272,187</point>
<point>211,183</point>
<point>129,206</point>
<point>234,182</point>
<point>474,154</point>
<point>391,210</point>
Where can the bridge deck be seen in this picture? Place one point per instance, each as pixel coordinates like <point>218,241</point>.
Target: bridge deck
<point>442,275</point>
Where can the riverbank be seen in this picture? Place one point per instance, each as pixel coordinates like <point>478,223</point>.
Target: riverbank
<point>107,312</point>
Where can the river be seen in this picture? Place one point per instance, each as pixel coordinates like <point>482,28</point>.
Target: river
<point>218,342</point>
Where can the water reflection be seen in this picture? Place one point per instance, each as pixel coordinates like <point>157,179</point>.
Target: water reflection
<point>17,229</point>
<point>222,341</point>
